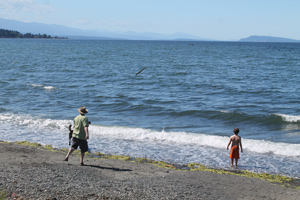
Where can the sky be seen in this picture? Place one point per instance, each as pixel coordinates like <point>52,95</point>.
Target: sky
<point>209,19</point>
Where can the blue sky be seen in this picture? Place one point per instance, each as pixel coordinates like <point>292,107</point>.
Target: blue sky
<point>211,19</point>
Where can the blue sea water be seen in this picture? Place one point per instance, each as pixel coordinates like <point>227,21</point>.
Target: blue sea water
<point>181,108</point>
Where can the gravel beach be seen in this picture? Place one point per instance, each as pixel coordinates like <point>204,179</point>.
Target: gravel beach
<point>29,172</point>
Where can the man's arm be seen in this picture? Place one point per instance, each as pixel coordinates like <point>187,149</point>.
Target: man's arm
<point>86,129</point>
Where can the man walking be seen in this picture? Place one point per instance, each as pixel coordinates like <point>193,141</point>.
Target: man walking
<point>80,134</point>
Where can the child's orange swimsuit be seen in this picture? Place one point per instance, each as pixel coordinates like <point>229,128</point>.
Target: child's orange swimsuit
<point>234,152</point>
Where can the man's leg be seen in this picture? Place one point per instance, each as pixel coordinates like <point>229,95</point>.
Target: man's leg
<point>69,153</point>
<point>81,158</point>
<point>84,148</point>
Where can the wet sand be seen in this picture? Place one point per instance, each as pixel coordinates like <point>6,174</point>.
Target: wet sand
<point>28,172</point>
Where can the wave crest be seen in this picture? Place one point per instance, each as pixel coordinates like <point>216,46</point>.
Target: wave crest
<point>43,86</point>
<point>289,118</point>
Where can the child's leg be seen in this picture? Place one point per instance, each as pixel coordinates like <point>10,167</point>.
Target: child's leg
<point>236,161</point>
<point>231,162</point>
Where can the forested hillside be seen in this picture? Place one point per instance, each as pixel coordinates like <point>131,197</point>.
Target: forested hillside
<point>15,34</point>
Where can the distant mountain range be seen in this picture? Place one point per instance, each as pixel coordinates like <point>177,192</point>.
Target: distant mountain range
<point>256,38</point>
<point>73,33</point>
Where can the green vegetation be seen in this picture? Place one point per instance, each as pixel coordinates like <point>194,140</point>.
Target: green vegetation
<point>28,143</point>
<point>15,34</point>
<point>3,195</point>
<point>285,181</point>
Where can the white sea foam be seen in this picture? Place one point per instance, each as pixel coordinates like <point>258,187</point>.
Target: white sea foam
<point>289,118</point>
<point>33,122</point>
<point>224,111</point>
<point>182,138</point>
<point>43,86</point>
<point>36,85</point>
<point>140,134</point>
<point>150,136</point>
<point>49,87</point>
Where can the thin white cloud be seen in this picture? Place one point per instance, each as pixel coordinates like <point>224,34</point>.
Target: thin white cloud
<point>14,8</point>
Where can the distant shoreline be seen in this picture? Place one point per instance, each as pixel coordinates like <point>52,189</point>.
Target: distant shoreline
<point>4,33</point>
<point>37,38</point>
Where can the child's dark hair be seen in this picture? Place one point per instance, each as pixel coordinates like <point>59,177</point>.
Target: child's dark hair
<point>236,131</point>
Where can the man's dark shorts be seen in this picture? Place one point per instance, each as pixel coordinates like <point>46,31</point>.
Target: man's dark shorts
<point>81,143</point>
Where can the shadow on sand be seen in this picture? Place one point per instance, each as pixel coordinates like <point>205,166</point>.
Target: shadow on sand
<point>109,168</point>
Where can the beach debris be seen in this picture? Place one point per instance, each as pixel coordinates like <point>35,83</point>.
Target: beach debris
<point>141,71</point>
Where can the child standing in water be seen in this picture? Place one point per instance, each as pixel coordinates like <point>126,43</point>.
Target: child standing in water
<point>235,141</point>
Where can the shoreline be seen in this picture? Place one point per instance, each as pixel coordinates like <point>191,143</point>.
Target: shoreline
<point>275,178</point>
<point>33,171</point>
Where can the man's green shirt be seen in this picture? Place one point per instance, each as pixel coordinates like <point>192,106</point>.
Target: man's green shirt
<point>80,122</point>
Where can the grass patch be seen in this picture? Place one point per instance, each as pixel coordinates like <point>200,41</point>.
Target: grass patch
<point>280,179</point>
<point>161,164</point>
<point>3,195</point>
<point>28,143</point>
<point>116,157</point>
<point>49,147</point>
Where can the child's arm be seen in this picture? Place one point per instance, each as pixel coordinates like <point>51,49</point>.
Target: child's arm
<point>229,143</point>
<point>241,144</point>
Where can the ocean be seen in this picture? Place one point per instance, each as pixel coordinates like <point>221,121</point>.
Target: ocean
<point>181,108</point>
